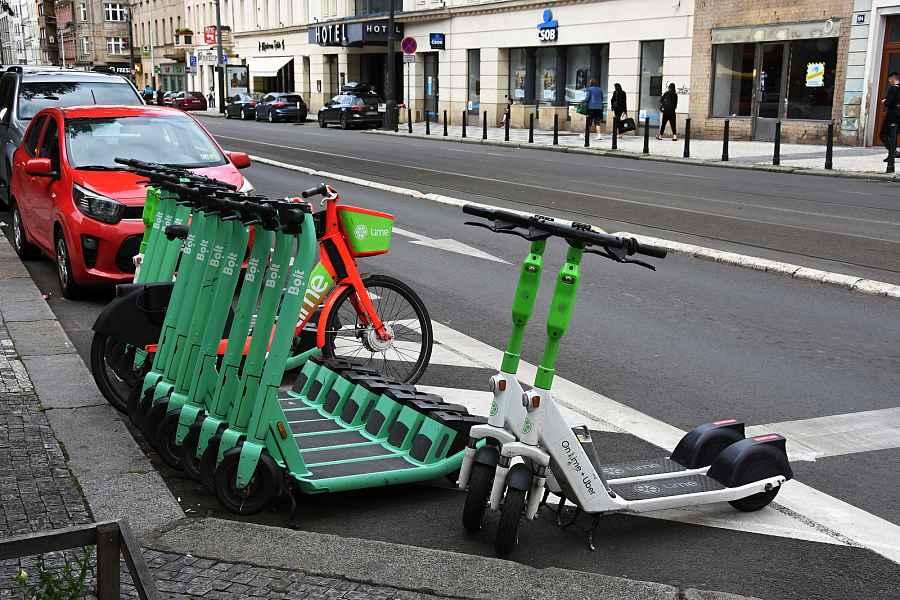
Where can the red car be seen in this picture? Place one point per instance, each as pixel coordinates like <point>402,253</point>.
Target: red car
<point>189,101</point>
<point>73,202</point>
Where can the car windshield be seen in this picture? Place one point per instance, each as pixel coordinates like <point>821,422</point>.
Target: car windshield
<point>36,95</point>
<point>291,98</point>
<point>171,140</point>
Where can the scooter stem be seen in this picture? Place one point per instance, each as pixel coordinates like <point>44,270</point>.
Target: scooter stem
<point>523,304</point>
<point>561,307</point>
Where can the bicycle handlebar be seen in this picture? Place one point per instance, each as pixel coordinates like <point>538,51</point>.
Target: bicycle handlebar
<point>578,232</point>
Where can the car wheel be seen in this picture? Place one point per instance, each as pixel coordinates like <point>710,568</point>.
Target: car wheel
<point>243,115</point>
<point>271,117</point>
<point>25,249</point>
<point>345,122</point>
<point>70,289</point>
<point>322,122</point>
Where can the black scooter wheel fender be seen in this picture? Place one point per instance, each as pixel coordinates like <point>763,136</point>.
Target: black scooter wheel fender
<point>257,494</point>
<point>152,419</point>
<point>190,462</point>
<point>168,450</point>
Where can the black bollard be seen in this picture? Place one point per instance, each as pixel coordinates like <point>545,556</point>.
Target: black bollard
<point>445,123</point>
<point>725,141</point>
<point>397,120</point>
<point>409,120</point>
<point>556,129</point>
<point>829,147</point>
<point>484,125</point>
<point>427,125</point>
<point>892,151</point>
<point>506,127</point>
<point>531,128</point>
<point>587,132</point>
<point>615,139</point>
<point>464,124</point>
<point>687,137</point>
<point>646,135</point>
<point>776,154</point>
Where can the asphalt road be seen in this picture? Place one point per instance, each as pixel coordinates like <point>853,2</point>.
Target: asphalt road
<point>693,342</point>
<point>834,224</point>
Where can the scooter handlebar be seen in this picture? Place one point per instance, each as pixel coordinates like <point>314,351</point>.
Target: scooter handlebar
<point>319,190</point>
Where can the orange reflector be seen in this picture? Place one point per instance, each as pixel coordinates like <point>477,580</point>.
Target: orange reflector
<point>535,401</point>
<point>282,430</point>
<point>501,385</point>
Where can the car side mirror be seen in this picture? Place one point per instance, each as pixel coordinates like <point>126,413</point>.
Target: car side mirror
<point>240,160</point>
<point>40,167</point>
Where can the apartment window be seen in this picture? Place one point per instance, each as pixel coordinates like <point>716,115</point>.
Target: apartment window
<point>474,81</point>
<point>116,45</point>
<point>82,11</point>
<point>85,47</point>
<point>113,11</point>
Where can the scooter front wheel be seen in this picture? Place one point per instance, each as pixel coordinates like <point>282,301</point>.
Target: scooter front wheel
<point>208,463</point>
<point>481,481</point>
<point>152,419</point>
<point>257,494</point>
<point>510,517</point>
<point>168,450</point>
<point>190,462</point>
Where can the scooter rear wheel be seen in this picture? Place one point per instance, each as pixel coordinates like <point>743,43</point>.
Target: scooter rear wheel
<point>257,494</point>
<point>481,480</point>
<point>110,360</point>
<point>756,501</point>
<point>510,517</point>
<point>168,449</point>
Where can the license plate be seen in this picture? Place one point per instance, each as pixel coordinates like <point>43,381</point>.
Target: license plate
<point>382,108</point>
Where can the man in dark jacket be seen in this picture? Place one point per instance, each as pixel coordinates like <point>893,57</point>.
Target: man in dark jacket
<point>667,105</point>
<point>891,112</point>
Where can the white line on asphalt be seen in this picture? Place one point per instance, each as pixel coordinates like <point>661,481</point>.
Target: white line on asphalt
<point>836,435</point>
<point>448,244</point>
<point>554,190</point>
<point>854,283</point>
<point>805,507</point>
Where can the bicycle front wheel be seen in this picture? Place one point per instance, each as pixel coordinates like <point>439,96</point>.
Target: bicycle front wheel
<point>405,355</point>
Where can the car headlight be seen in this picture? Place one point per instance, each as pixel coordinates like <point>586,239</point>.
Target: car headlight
<point>247,187</point>
<point>96,206</point>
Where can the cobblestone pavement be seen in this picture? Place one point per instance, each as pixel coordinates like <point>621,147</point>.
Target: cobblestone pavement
<point>38,492</point>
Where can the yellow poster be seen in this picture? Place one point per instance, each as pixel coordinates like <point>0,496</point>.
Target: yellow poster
<point>815,74</point>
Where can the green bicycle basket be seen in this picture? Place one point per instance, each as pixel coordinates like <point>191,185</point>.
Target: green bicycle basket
<point>368,232</point>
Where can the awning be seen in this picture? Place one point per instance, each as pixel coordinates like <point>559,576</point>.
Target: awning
<point>266,66</point>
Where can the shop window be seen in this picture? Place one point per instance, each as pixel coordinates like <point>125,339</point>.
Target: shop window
<point>651,80</point>
<point>546,76</point>
<point>733,80</point>
<point>518,74</point>
<point>474,84</point>
<point>578,73</point>
<point>810,84</point>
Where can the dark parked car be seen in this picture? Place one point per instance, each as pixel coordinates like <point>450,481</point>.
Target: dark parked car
<point>357,106</point>
<point>241,106</point>
<point>168,98</point>
<point>25,90</point>
<point>189,101</point>
<point>278,106</point>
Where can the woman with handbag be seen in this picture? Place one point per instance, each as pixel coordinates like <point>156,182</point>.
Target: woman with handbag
<point>593,102</point>
<point>619,106</point>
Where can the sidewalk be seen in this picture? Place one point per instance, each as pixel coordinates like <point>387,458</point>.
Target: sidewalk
<point>66,458</point>
<point>847,160</point>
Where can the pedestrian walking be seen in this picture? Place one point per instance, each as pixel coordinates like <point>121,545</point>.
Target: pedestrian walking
<point>618,103</point>
<point>891,111</point>
<point>667,105</point>
<point>211,98</point>
<point>593,100</point>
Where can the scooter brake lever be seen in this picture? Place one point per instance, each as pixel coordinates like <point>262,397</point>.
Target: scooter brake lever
<point>611,255</point>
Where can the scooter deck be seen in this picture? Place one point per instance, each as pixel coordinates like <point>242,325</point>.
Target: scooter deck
<point>638,468</point>
<point>663,488</point>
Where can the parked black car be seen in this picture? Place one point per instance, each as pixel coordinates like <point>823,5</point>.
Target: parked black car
<point>280,106</point>
<point>356,106</point>
<point>241,106</point>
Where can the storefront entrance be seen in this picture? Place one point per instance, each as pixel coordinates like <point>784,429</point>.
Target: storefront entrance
<point>890,62</point>
<point>431,86</point>
<point>770,84</point>
<point>373,71</point>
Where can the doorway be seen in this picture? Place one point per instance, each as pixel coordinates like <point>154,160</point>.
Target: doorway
<point>431,86</point>
<point>771,78</point>
<point>890,62</point>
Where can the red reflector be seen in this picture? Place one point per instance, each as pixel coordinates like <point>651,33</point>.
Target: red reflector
<point>501,385</point>
<point>725,422</point>
<point>766,438</point>
<point>535,401</point>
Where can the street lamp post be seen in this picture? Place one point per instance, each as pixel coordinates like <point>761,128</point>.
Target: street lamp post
<point>390,102</point>
<point>220,57</point>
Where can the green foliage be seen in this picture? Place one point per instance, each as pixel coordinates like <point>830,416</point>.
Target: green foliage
<point>68,583</point>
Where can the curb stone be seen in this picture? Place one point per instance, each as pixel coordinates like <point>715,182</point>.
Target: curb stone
<point>865,175</point>
<point>849,282</point>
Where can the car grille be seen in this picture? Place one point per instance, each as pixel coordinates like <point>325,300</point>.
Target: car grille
<point>126,253</point>
<point>133,212</point>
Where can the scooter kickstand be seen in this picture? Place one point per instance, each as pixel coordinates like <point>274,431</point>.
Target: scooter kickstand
<point>291,493</point>
<point>560,507</point>
<point>595,523</point>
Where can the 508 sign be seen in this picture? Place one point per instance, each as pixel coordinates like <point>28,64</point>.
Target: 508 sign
<point>547,35</point>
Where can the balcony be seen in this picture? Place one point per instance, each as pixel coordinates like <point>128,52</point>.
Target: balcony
<point>171,51</point>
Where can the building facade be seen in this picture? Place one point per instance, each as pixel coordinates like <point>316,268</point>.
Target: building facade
<point>200,17</point>
<point>163,50</point>
<point>19,42</point>
<point>94,34</point>
<point>47,35</point>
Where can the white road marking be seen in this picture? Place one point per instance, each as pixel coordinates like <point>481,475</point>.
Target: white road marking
<point>853,283</point>
<point>801,512</point>
<point>449,245</point>
<point>835,435</point>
